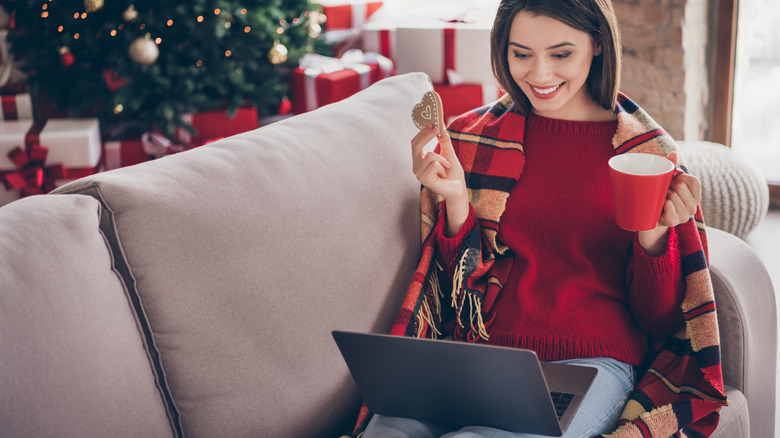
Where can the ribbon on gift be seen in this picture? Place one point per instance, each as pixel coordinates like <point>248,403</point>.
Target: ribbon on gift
<point>157,145</point>
<point>16,107</point>
<point>358,57</point>
<point>33,176</point>
<point>314,65</point>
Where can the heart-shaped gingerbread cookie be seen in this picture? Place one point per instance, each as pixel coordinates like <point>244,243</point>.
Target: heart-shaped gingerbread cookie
<point>428,112</point>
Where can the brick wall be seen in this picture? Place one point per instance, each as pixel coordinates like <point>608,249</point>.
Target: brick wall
<point>665,62</point>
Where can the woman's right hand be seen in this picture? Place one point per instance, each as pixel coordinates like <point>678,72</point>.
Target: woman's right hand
<point>442,173</point>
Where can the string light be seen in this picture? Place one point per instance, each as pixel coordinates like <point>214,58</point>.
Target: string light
<point>158,40</point>
<point>247,29</point>
<point>228,53</point>
<point>169,23</point>
<point>217,11</point>
<point>76,36</point>
<point>200,18</point>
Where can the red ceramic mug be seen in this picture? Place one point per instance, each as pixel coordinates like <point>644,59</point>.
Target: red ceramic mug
<point>639,186</point>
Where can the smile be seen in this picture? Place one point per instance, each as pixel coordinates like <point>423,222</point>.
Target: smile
<point>544,91</point>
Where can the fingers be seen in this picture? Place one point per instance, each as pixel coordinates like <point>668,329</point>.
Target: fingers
<point>431,174</point>
<point>682,200</point>
<point>419,166</point>
<point>421,139</point>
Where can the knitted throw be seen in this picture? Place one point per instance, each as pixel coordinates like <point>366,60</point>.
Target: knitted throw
<point>681,392</point>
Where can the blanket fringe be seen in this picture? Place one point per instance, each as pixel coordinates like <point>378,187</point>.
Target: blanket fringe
<point>459,295</point>
<point>430,313</point>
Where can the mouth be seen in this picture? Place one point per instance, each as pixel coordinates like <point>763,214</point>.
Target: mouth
<point>546,92</point>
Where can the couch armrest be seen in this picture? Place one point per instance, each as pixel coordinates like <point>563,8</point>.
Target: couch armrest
<point>747,318</point>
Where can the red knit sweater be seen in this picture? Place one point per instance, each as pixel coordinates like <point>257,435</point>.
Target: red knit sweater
<point>579,286</point>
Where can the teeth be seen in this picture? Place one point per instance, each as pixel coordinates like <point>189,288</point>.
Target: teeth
<point>546,90</point>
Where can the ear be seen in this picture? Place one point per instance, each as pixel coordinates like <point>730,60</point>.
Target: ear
<point>597,47</point>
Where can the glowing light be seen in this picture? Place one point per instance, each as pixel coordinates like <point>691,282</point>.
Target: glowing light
<point>280,30</point>
<point>44,14</point>
<point>199,63</point>
<point>200,18</point>
<point>169,23</point>
<point>113,32</point>
<point>76,36</point>
<point>247,29</point>
<point>157,40</point>
<point>83,15</point>
<point>217,11</point>
<point>228,53</point>
<point>60,29</point>
<point>243,11</point>
<point>76,16</point>
<point>142,26</point>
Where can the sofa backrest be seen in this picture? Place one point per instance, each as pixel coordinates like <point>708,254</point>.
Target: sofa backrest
<point>241,256</point>
<point>72,363</point>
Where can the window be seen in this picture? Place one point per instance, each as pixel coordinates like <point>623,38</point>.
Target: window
<point>755,120</point>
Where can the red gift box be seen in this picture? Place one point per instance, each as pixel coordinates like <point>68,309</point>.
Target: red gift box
<point>347,15</point>
<point>121,153</point>
<point>322,80</point>
<point>212,125</point>
<point>458,99</point>
<point>16,107</point>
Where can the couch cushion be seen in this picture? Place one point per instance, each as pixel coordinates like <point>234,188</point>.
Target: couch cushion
<point>244,254</point>
<point>734,418</point>
<point>71,358</point>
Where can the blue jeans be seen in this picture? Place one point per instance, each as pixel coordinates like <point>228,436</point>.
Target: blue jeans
<point>599,412</point>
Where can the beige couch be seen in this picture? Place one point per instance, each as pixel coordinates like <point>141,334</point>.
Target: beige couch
<point>194,295</point>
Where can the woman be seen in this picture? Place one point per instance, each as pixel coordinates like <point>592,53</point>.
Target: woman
<point>525,224</point>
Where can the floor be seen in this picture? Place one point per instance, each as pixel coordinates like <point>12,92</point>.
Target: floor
<point>765,239</point>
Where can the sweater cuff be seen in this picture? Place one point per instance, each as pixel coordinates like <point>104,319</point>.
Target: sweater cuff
<point>450,246</point>
<point>659,263</point>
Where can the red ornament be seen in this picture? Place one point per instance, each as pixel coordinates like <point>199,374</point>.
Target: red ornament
<point>67,59</point>
<point>285,106</point>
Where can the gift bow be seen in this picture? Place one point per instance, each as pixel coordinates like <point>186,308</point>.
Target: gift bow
<point>32,176</point>
<point>157,145</point>
<point>314,65</point>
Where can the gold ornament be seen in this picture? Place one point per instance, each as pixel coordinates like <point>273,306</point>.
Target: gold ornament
<point>143,50</point>
<point>130,14</point>
<point>93,5</point>
<point>278,53</point>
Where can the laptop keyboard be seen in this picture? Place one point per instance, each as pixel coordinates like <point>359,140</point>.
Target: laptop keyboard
<point>561,402</point>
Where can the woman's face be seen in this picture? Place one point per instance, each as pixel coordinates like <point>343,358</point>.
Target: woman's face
<point>550,61</point>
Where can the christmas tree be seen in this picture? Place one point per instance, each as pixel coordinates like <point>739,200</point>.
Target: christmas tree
<point>146,63</point>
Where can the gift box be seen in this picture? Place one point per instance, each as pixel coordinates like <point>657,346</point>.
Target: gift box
<point>379,38</point>
<point>460,98</point>
<point>212,125</point>
<point>121,153</point>
<point>347,15</point>
<point>36,157</point>
<point>321,80</point>
<point>16,107</point>
<point>437,47</point>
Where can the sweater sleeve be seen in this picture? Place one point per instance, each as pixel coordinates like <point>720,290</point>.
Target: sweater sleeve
<point>656,288</point>
<point>449,247</point>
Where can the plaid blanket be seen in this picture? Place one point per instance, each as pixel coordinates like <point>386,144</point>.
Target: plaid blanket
<point>681,390</point>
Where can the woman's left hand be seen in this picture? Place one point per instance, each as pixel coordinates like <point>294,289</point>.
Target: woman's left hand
<point>682,199</point>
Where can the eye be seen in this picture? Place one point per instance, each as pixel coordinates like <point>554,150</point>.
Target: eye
<point>519,55</point>
<point>563,55</point>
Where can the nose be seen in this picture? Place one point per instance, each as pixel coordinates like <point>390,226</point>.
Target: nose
<point>541,72</point>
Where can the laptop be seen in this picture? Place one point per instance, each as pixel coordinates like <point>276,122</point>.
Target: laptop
<point>460,384</point>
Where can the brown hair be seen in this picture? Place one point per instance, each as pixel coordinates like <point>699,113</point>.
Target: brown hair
<point>595,17</point>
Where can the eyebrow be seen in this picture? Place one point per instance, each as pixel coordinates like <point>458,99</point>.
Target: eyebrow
<point>556,46</point>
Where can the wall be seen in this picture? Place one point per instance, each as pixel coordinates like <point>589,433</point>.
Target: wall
<point>665,62</point>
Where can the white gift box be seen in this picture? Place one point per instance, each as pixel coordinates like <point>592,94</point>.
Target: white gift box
<point>438,47</point>
<point>16,107</point>
<point>74,143</point>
